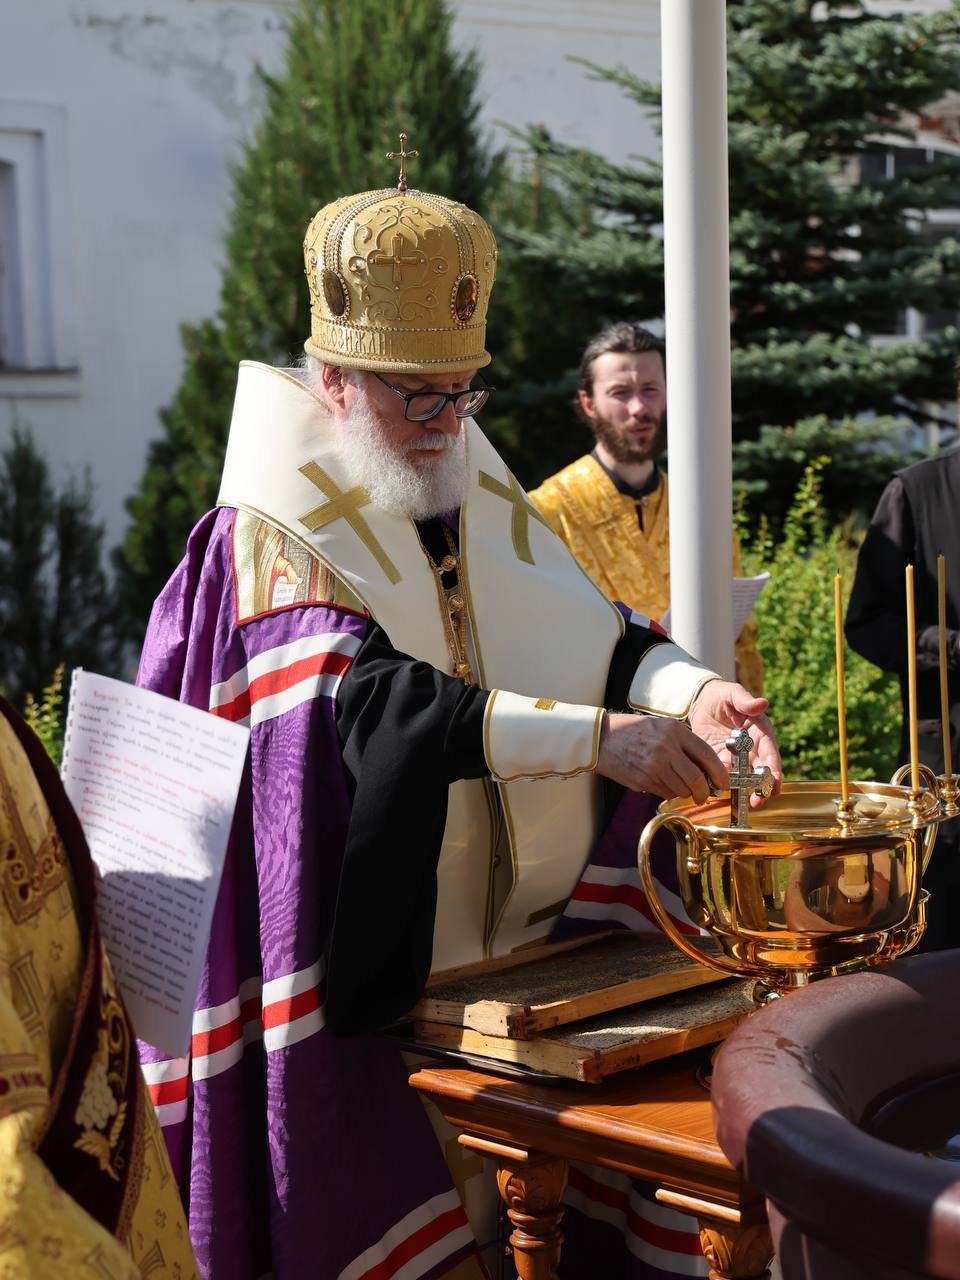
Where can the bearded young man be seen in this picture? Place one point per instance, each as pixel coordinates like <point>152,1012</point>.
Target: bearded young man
<point>610,507</point>
<point>411,647</point>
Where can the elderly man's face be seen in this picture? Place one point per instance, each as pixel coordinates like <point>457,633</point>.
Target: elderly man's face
<point>401,435</point>
<point>408,467</point>
<point>628,406</point>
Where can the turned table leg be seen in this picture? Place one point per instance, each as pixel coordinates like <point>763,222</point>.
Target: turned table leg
<point>736,1250</point>
<point>531,1190</point>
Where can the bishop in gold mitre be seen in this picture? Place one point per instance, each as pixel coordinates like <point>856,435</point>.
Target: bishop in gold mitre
<point>435,691</point>
<point>611,506</point>
<point>86,1188</point>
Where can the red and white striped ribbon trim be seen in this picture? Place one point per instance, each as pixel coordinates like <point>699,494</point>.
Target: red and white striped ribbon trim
<point>282,1012</point>
<point>167,1085</point>
<point>615,893</point>
<point>641,620</point>
<point>281,678</point>
<point>660,1236</point>
<point>415,1245</point>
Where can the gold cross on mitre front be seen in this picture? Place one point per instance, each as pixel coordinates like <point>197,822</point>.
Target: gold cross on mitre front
<point>403,155</point>
<point>345,504</point>
<point>520,516</point>
<point>397,262</point>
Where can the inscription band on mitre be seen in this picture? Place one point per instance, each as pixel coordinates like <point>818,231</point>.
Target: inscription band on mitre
<point>423,346</point>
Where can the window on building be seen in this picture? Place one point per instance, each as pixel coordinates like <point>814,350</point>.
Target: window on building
<point>11,343</point>
<point>37,330</point>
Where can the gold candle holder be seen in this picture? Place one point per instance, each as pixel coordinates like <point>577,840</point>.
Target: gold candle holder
<point>948,791</point>
<point>912,687</point>
<point>948,783</point>
<point>841,697</point>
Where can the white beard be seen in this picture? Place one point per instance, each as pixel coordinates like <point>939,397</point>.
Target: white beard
<point>395,484</point>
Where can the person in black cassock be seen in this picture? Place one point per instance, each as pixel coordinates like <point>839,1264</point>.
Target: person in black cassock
<point>917,518</point>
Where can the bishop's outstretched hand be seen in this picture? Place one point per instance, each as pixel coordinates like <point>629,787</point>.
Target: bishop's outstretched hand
<point>669,758</point>
<point>722,706</point>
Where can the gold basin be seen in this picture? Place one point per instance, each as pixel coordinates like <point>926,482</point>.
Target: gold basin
<point>797,894</point>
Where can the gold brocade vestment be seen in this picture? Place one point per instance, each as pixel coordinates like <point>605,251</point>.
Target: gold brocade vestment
<point>44,1232</point>
<point>599,524</point>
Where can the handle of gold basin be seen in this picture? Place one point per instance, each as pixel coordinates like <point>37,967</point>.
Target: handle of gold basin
<point>930,781</point>
<point>926,773</point>
<point>688,848</point>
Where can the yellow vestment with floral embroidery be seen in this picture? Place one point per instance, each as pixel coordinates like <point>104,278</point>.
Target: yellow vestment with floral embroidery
<point>44,1232</point>
<point>600,526</point>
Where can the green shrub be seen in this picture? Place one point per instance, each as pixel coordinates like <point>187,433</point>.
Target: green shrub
<point>45,717</point>
<point>796,637</point>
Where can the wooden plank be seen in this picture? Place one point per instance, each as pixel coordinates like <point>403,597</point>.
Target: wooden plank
<point>557,985</point>
<point>515,958</point>
<point>593,1049</point>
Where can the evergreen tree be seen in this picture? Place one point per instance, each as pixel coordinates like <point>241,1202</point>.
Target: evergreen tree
<point>535,327</point>
<point>56,603</point>
<point>357,72</point>
<point>826,247</point>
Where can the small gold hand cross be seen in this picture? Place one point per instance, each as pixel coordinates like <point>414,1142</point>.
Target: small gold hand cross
<point>745,781</point>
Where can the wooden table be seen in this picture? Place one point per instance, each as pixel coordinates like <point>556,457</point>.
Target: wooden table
<point>654,1124</point>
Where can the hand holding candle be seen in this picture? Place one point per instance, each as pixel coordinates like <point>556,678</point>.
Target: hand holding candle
<point>912,683</point>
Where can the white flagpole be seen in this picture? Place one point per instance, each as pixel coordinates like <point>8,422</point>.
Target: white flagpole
<point>697,288</point>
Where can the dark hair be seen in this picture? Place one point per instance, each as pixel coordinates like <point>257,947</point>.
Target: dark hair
<point>620,337</point>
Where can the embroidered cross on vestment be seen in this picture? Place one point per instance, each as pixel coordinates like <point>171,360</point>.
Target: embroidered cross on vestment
<point>345,504</point>
<point>523,509</point>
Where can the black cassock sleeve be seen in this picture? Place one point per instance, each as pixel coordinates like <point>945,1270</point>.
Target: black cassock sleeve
<point>407,731</point>
<point>876,624</point>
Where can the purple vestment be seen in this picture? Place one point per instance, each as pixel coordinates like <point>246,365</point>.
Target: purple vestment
<point>301,1153</point>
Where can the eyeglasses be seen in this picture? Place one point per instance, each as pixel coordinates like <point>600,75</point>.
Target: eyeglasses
<point>421,406</point>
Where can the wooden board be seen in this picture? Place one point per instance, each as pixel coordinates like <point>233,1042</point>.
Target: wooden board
<point>598,1047</point>
<point>522,995</point>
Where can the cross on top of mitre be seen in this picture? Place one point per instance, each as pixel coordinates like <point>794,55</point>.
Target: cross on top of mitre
<point>403,155</point>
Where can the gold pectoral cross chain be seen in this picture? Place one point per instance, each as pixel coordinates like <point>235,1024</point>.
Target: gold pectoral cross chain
<point>453,608</point>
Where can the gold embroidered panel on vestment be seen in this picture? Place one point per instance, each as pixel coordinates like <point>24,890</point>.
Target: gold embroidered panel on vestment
<point>274,570</point>
<point>101,1111</point>
<point>31,861</point>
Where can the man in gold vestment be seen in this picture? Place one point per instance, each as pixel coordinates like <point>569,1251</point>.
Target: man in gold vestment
<point>610,507</point>
<point>86,1188</point>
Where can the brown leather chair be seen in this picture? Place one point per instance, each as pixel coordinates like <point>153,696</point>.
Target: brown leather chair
<point>827,1100</point>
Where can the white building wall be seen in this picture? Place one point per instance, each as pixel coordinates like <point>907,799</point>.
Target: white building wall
<point>121,118</point>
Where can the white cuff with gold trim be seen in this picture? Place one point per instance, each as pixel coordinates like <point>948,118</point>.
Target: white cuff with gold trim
<point>538,737</point>
<point>666,681</point>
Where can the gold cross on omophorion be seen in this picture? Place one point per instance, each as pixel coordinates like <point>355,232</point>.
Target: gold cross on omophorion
<point>398,261</point>
<point>403,155</point>
<point>522,511</point>
<point>345,504</point>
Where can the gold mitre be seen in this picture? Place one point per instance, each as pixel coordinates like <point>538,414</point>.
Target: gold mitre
<point>399,280</point>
